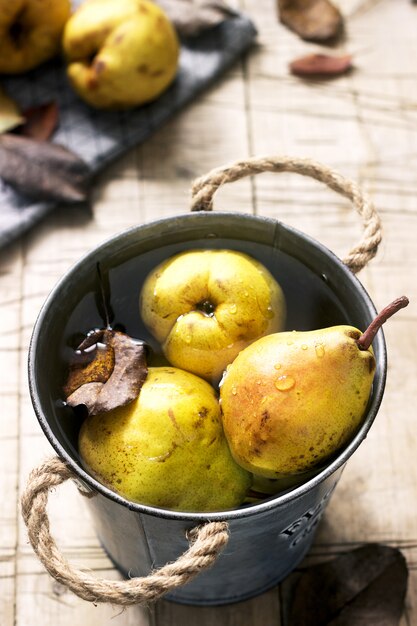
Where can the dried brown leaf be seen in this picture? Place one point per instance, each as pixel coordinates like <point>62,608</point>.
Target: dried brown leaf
<point>191,17</point>
<point>312,20</point>
<point>41,121</point>
<point>93,361</point>
<point>364,587</point>
<point>10,115</point>
<point>107,371</point>
<point>43,170</point>
<point>321,65</point>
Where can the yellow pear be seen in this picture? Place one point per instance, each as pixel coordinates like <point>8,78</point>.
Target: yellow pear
<point>292,399</point>
<point>120,53</point>
<point>30,32</point>
<point>167,448</point>
<point>204,306</point>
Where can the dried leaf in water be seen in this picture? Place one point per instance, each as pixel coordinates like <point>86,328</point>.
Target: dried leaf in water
<point>312,20</point>
<point>93,361</point>
<point>322,65</point>
<point>107,371</point>
<point>191,17</point>
<point>10,115</point>
<point>41,121</point>
<point>43,170</point>
<point>364,587</point>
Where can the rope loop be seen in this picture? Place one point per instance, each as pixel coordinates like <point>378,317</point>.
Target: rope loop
<point>205,544</point>
<point>204,188</point>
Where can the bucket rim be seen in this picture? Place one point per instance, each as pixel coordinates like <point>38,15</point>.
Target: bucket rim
<point>91,485</point>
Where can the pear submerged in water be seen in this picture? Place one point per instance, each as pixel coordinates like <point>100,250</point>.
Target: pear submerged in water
<point>166,448</point>
<point>205,306</point>
<point>291,400</point>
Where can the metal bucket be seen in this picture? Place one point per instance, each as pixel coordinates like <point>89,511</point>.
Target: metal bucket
<point>269,538</point>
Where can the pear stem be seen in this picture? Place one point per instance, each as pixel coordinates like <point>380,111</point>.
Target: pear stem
<point>367,337</point>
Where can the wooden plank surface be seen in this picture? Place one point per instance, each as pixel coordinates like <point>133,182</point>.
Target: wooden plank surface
<point>365,126</point>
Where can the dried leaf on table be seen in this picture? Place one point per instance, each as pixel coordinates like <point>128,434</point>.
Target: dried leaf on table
<point>43,170</point>
<point>40,121</point>
<point>191,17</point>
<point>10,115</point>
<point>322,65</point>
<point>364,587</point>
<point>108,370</point>
<point>312,20</point>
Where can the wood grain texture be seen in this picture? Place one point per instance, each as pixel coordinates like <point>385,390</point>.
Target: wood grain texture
<point>364,125</point>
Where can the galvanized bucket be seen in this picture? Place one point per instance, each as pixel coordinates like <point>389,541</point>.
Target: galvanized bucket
<point>266,539</point>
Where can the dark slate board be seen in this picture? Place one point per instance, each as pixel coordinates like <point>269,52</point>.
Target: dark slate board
<point>100,137</point>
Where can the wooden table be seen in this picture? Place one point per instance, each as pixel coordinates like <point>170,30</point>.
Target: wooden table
<point>365,126</point>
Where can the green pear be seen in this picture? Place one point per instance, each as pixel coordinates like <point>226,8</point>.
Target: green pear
<point>291,400</point>
<point>205,306</point>
<point>166,448</point>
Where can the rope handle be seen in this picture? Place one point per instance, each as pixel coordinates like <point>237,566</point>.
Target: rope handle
<point>205,544</point>
<point>204,188</point>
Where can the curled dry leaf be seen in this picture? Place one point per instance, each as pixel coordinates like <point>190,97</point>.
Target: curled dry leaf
<point>40,121</point>
<point>366,586</point>
<point>92,361</point>
<point>108,370</point>
<point>321,65</point>
<point>43,170</point>
<point>312,20</point>
<point>10,115</point>
<point>191,17</point>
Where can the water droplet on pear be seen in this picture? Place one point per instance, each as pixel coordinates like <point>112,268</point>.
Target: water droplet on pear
<point>285,383</point>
